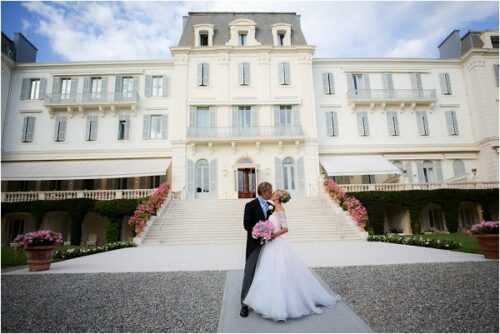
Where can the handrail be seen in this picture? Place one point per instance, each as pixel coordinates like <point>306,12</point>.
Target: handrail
<point>392,94</point>
<point>418,186</point>
<point>258,131</point>
<point>91,98</point>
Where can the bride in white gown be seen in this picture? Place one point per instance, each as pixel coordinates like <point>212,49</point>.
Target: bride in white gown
<point>283,286</point>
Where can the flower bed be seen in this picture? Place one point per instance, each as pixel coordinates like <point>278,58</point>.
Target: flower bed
<point>72,252</point>
<point>347,202</point>
<point>415,240</point>
<point>148,207</point>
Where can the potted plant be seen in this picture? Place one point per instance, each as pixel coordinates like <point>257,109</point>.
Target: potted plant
<point>487,233</point>
<point>39,246</point>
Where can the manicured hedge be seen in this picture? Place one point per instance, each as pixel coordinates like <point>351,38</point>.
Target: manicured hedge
<point>415,200</point>
<point>415,240</point>
<point>69,253</point>
<point>77,208</point>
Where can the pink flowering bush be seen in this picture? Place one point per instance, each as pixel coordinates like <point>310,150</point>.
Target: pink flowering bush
<point>262,230</point>
<point>349,203</point>
<point>39,238</point>
<point>485,227</point>
<point>148,207</point>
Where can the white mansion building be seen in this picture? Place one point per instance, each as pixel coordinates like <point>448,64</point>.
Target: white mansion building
<point>243,100</point>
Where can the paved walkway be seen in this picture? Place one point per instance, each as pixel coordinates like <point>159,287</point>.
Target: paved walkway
<point>338,319</point>
<point>230,257</point>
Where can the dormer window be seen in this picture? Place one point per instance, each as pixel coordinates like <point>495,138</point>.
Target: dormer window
<point>494,42</point>
<point>242,38</point>
<point>281,38</point>
<point>203,38</point>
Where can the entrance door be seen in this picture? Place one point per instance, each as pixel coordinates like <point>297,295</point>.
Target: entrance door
<point>246,183</point>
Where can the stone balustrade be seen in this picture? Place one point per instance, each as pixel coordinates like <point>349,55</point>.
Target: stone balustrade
<point>100,195</point>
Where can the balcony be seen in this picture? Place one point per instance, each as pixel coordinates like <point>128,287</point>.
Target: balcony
<point>245,134</point>
<point>417,186</point>
<point>92,101</point>
<point>383,97</point>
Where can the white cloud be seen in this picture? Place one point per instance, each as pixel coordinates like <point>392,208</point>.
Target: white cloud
<point>141,30</point>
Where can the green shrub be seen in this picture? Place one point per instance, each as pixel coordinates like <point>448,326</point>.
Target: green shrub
<point>72,252</point>
<point>415,240</point>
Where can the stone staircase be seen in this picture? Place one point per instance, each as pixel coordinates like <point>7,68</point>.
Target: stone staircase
<point>198,222</point>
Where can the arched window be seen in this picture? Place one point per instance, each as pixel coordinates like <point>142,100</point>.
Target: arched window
<point>288,174</point>
<point>202,179</point>
<point>458,167</point>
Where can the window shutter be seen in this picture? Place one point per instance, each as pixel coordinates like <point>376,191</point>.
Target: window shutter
<point>93,133</point>
<point>420,125</point>
<point>86,88</point>
<point>350,82</point>
<point>213,117</point>
<point>118,87</point>
<point>148,87</point>
<point>360,124</point>
<point>495,67</point>
<point>213,177</point>
<point>43,88</point>
<point>416,81</point>
<point>458,167</point>
<point>164,126</point>
<point>329,124</point>
<point>326,87</point>
<point>192,116</point>
<point>254,120</point>
<point>420,172</point>
<point>56,125</point>
<point>74,88</point>
<point>387,81</point>
<point>295,117</point>
<point>278,176</point>
<point>281,73</point>
<point>442,83</point>
<point>448,83</point>
<point>62,129</point>
<point>365,116</point>
<point>287,73</point>
<point>87,128</point>
<point>190,179</point>
<point>276,116</point>
<point>165,85</point>
<point>409,170</point>
<point>247,72</point>
<point>242,73</point>
<point>449,123</point>
<point>24,129</point>
<point>205,74</point>
<point>300,176</point>
<point>236,118</point>
<point>25,89</point>
<point>455,122</point>
<point>426,123</point>
<point>146,127</point>
<point>439,170</point>
<point>56,88</point>
<point>366,81</point>
<point>332,83</point>
<point>335,124</point>
<point>104,91</point>
<point>200,76</point>
<point>30,128</point>
<point>390,126</point>
<point>127,126</point>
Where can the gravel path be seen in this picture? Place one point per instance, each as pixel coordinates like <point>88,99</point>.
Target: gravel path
<point>431,297</point>
<point>126,302</point>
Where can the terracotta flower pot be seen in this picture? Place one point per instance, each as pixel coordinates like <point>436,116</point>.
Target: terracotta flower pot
<point>489,245</point>
<point>39,257</point>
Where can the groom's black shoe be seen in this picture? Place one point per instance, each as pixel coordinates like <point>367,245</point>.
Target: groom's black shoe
<point>244,311</point>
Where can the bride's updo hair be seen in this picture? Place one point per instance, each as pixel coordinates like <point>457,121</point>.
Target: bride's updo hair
<point>284,196</point>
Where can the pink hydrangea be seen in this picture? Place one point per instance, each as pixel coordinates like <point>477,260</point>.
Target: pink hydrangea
<point>262,230</point>
<point>148,207</point>
<point>39,238</point>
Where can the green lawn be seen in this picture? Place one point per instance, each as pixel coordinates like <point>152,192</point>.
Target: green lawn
<point>470,243</point>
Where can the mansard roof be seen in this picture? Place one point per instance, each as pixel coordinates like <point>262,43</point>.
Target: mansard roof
<point>221,22</point>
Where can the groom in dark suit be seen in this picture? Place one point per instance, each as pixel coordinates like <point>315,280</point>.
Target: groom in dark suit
<point>255,210</point>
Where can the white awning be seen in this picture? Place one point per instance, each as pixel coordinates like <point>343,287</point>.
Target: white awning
<point>83,169</point>
<point>337,165</point>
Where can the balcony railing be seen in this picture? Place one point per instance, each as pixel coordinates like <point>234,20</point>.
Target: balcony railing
<point>417,186</point>
<point>396,95</point>
<point>100,195</point>
<point>255,132</point>
<point>88,99</point>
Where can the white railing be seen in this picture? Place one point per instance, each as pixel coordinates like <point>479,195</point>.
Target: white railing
<point>417,186</point>
<point>392,94</point>
<point>254,132</point>
<point>91,98</point>
<point>100,195</point>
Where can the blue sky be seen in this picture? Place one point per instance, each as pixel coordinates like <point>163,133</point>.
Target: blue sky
<point>71,31</point>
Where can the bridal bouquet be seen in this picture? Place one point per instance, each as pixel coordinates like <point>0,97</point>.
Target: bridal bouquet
<point>263,231</point>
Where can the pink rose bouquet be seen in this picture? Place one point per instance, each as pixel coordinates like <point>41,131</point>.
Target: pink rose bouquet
<point>263,231</point>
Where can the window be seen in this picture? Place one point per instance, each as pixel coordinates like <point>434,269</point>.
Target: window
<point>34,89</point>
<point>284,73</point>
<point>451,121</point>
<point>28,129</point>
<point>203,74</point>
<point>245,116</point>
<point>155,126</point>
<point>242,38</point>
<point>422,123</point>
<point>202,117</point>
<point>123,128</point>
<point>60,129</point>
<point>428,171</point>
<point>157,82</point>
<point>284,116</point>
<point>359,84</point>
<point>328,83</point>
<point>244,74</point>
<point>332,124</point>
<point>494,42</point>
<point>444,80</point>
<point>202,178</point>
<point>128,87</point>
<point>288,174</point>
<point>392,123</point>
<point>458,167</point>
<point>65,88</point>
<point>281,38</point>
<point>388,81</point>
<point>363,129</point>
<point>96,88</point>
<point>155,181</point>
<point>203,38</point>
<point>91,129</point>
<point>368,179</point>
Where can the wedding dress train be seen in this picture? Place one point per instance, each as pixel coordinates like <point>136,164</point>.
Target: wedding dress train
<point>283,286</point>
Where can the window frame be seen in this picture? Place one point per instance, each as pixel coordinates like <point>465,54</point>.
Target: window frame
<point>35,89</point>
